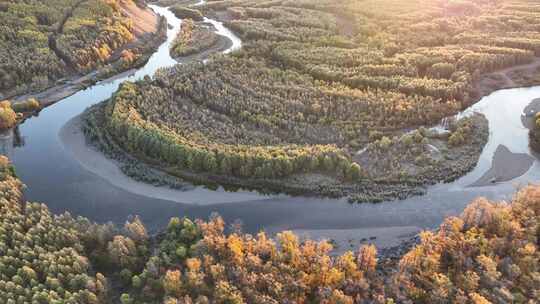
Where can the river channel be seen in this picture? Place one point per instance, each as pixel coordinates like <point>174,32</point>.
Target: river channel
<point>54,176</point>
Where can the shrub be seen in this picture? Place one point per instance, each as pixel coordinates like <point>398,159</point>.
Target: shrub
<point>8,117</point>
<point>29,105</point>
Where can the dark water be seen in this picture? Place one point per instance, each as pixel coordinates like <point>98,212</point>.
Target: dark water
<point>56,178</point>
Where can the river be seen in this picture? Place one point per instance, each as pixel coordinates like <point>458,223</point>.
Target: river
<point>55,177</point>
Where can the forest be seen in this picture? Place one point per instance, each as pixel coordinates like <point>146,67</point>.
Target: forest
<point>44,42</point>
<point>318,82</point>
<point>488,254</point>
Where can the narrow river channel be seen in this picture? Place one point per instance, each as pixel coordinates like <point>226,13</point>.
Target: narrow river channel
<point>57,178</point>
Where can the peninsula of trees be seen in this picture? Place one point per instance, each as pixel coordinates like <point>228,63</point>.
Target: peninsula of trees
<point>323,94</point>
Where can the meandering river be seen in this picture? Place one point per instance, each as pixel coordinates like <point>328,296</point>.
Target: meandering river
<point>54,176</point>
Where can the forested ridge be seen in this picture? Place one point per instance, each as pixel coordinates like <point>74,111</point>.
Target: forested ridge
<point>44,41</point>
<point>489,254</point>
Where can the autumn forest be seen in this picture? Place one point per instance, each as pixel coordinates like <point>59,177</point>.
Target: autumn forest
<point>389,108</point>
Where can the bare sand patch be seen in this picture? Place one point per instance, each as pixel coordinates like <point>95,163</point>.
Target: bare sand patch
<point>144,19</point>
<point>351,239</point>
<point>506,166</point>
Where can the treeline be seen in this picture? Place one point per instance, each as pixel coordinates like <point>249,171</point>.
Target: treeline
<point>489,254</point>
<point>94,30</point>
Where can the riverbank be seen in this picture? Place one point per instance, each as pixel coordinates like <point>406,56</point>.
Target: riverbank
<point>95,161</point>
<point>149,32</point>
<point>524,75</point>
<point>393,239</point>
<point>440,163</point>
<point>506,166</point>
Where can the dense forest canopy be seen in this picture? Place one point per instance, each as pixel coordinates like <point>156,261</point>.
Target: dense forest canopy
<point>43,41</point>
<point>487,255</point>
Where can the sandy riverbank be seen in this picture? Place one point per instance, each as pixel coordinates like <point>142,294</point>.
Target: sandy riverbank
<point>351,239</point>
<point>506,166</point>
<point>144,20</point>
<point>74,143</point>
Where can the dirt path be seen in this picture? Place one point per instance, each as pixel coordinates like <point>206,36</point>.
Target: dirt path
<point>509,81</point>
<point>528,66</point>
